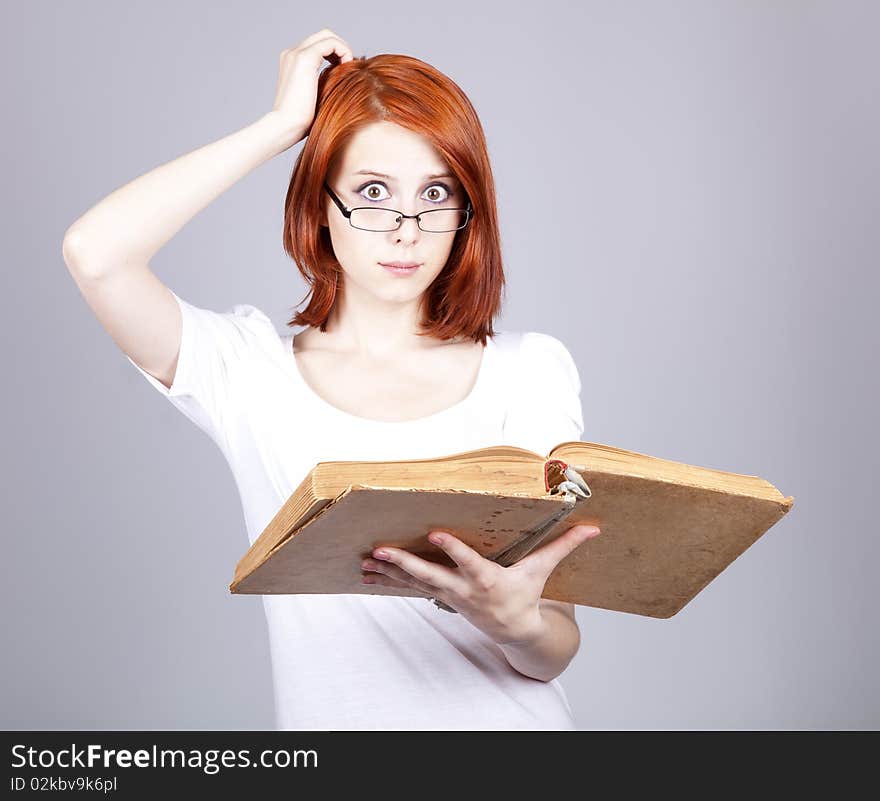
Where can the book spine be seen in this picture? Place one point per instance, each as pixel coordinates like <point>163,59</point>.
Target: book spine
<point>559,478</point>
<point>530,539</point>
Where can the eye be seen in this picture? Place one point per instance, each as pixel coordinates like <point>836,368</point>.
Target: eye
<point>370,192</point>
<point>446,189</point>
<point>371,189</point>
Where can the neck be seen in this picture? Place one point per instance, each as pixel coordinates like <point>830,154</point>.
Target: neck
<point>371,326</point>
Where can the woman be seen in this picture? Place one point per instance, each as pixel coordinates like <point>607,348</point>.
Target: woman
<point>394,362</point>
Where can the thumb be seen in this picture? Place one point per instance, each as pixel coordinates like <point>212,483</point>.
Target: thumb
<point>548,556</point>
<point>582,532</point>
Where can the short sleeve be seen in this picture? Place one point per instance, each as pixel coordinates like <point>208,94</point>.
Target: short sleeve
<point>544,407</point>
<point>212,348</point>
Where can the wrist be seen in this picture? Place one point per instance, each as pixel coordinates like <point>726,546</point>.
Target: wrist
<point>282,133</point>
<point>528,629</point>
<point>545,654</point>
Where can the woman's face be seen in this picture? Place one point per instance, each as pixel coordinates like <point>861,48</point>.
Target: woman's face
<point>405,160</point>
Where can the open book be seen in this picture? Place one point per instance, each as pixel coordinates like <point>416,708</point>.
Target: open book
<point>668,528</point>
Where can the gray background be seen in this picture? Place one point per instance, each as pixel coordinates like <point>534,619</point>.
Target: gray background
<point>688,195</point>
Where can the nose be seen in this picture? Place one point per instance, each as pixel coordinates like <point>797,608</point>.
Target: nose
<point>413,229</point>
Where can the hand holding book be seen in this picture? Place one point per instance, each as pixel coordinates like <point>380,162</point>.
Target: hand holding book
<point>668,528</point>
<point>503,602</point>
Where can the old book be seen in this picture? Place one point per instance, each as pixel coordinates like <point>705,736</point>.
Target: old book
<point>668,528</point>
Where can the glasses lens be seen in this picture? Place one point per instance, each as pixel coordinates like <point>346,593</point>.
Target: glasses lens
<point>436,221</point>
<point>441,220</point>
<point>374,219</point>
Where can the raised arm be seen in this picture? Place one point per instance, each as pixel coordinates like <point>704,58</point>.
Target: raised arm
<point>108,250</point>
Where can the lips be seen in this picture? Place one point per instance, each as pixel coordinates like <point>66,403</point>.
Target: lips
<point>400,264</point>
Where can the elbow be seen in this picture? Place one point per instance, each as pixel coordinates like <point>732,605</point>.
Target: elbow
<point>80,260</point>
<point>72,247</point>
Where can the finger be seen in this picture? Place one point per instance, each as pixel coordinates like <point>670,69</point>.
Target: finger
<point>307,42</point>
<point>333,44</point>
<point>460,552</point>
<point>388,581</point>
<point>430,573</point>
<point>321,34</point>
<point>394,572</point>
<point>545,558</point>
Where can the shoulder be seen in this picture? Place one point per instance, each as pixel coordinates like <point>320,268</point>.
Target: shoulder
<point>536,344</point>
<point>543,407</point>
<point>241,326</point>
<point>537,352</point>
<point>528,343</point>
<point>252,320</point>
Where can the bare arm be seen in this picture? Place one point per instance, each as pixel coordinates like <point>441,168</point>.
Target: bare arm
<point>108,250</point>
<point>545,656</point>
<point>538,636</point>
<point>131,224</point>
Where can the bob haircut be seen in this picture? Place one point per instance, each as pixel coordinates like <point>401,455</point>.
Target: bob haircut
<point>466,295</point>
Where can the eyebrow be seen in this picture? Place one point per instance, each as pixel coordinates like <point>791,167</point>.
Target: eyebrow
<point>392,178</point>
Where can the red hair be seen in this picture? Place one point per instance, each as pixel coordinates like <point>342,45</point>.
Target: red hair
<point>466,295</point>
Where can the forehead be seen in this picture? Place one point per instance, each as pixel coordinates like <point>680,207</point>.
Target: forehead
<point>393,150</point>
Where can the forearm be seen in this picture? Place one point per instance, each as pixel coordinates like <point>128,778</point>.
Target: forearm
<point>545,656</point>
<point>135,221</point>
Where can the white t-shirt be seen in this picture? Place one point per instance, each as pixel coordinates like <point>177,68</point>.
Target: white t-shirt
<point>360,661</point>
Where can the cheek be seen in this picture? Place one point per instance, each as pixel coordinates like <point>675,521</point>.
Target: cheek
<point>440,252</point>
<point>345,241</point>
<point>356,255</point>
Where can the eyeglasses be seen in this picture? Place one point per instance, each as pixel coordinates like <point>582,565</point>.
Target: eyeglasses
<point>435,221</point>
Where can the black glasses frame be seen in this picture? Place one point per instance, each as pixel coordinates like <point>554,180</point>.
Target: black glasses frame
<point>346,212</point>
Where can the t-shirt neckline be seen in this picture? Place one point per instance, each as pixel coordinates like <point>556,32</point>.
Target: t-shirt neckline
<point>467,400</point>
